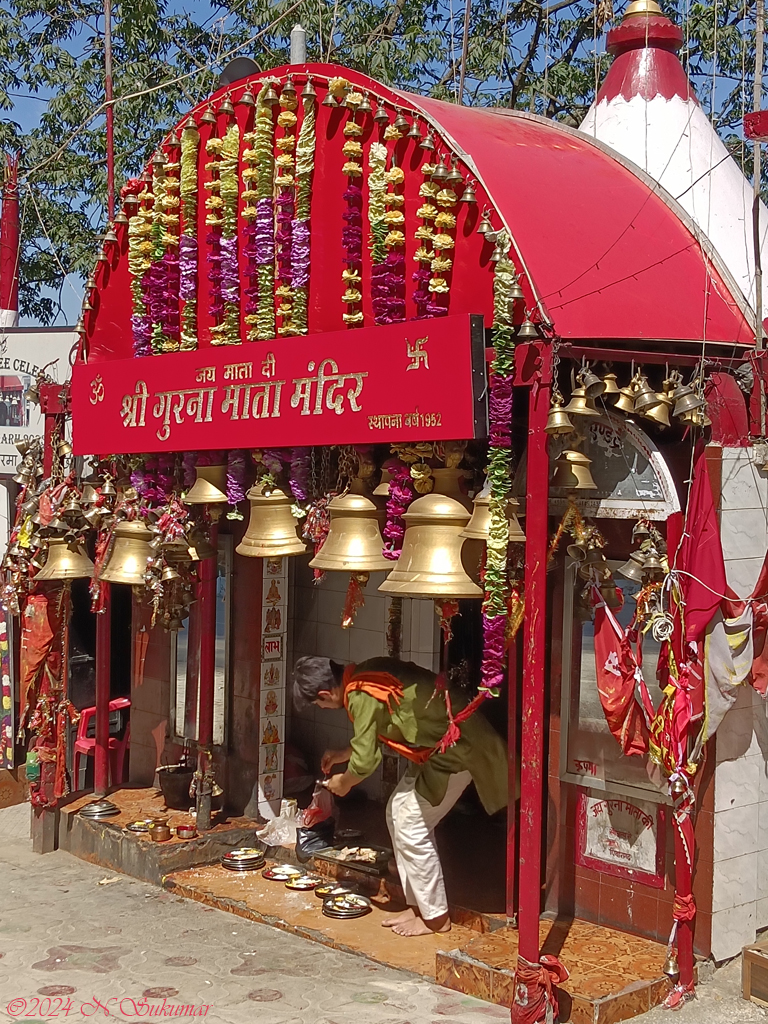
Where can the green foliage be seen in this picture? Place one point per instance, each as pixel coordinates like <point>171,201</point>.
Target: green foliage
<point>521,54</point>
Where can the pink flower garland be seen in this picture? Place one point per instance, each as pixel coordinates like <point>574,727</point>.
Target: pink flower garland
<point>216,305</point>
<point>401,494</point>
<point>235,476</point>
<point>300,467</point>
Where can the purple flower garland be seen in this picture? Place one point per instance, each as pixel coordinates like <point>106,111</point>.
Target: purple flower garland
<point>300,469</point>
<point>401,494</point>
<point>235,476</point>
<point>352,234</point>
<point>283,238</point>
<point>251,269</point>
<point>216,305</point>
<point>187,267</point>
<point>299,253</point>
<point>230,275</point>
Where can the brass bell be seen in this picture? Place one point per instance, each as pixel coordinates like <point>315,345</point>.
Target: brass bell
<point>247,99</point>
<point>697,418</point>
<point>93,516</point>
<point>527,331</point>
<point>659,414</point>
<point>611,385</point>
<point>270,97</point>
<point>454,178</point>
<point>57,525</point>
<point>63,448</point>
<point>381,490</point>
<point>626,401</point>
<point>640,530</point>
<point>272,528</point>
<point>169,574</point>
<point>430,563</point>
<point>440,173</point>
<point>329,100</point>
<point>401,123</point>
<point>671,967</point>
<point>468,195</point>
<point>578,549</point>
<point>309,92</point>
<point>651,564</point>
<point>381,116</point>
<point>678,786</point>
<point>365,107</point>
<point>515,291</point>
<point>65,562</point>
<point>23,446</point>
<point>593,385</point>
<point>686,400</point>
<point>645,396</point>
<point>611,594</point>
<point>89,494</point>
<point>127,561</point>
<point>210,487</point>
<point>595,564</point>
<point>288,92</point>
<point>447,481</point>
<point>414,133</point>
<point>580,405</point>
<point>199,547</point>
<point>479,526</point>
<point>485,225</point>
<point>226,107</point>
<point>428,142</point>
<point>633,567</point>
<point>108,488</point>
<point>354,542</point>
<point>516,534</point>
<point>120,218</point>
<point>32,394</point>
<point>572,471</point>
<point>23,478</point>
<point>558,421</point>
<point>208,116</point>
<point>496,255</point>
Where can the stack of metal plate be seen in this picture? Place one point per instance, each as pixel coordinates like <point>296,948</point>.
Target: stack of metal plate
<point>247,858</point>
<point>346,906</point>
<point>304,883</point>
<point>335,889</point>
<point>281,872</point>
<point>99,809</point>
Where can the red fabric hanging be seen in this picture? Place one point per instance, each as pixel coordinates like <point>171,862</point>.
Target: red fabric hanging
<point>535,998</point>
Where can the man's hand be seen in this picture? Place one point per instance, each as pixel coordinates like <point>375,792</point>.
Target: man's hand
<point>332,757</point>
<point>340,785</point>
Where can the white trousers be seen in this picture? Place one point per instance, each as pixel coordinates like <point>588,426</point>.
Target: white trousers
<point>411,820</point>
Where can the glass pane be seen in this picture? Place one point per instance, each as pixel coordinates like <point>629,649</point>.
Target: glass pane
<point>592,749</point>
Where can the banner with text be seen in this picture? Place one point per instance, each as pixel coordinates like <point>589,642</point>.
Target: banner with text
<point>421,380</point>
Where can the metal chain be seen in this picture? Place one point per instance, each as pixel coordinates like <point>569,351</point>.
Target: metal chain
<point>348,464</point>
<point>556,393</point>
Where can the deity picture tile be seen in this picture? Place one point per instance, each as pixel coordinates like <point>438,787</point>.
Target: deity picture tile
<point>271,758</point>
<point>272,730</point>
<point>270,793</point>
<point>276,568</point>
<point>272,676</point>
<point>274,592</point>
<point>273,620</point>
<point>272,702</point>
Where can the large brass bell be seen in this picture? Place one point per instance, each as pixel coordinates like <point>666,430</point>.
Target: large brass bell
<point>558,421</point>
<point>659,414</point>
<point>645,396</point>
<point>593,385</point>
<point>611,385</point>
<point>633,567</point>
<point>651,564</point>
<point>210,487</point>
<point>479,526</point>
<point>272,528</point>
<point>447,480</point>
<point>382,488</point>
<point>626,401</point>
<point>430,562</point>
<point>580,404</point>
<point>572,471</point>
<point>199,547</point>
<point>611,594</point>
<point>686,400</point>
<point>354,542</point>
<point>65,562</point>
<point>130,553</point>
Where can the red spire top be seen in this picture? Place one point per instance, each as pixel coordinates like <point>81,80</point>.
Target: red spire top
<point>644,47</point>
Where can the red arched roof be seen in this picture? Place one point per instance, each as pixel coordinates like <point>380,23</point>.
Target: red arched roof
<point>602,252</point>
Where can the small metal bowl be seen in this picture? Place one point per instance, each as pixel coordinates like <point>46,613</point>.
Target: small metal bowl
<point>160,833</point>
<point>186,831</point>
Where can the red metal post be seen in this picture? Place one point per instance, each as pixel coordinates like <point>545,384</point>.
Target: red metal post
<point>512,858</point>
<point>207,605</point>
<point>534,659</point>
<point>9,240</point>
<point>103,690</point>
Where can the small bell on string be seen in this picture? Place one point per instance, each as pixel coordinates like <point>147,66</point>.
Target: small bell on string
<point>365,107</point>
<point>401,123</point>
<point>169,574</point>
<point>270,97</point>
<point>108,488</point>
<point>210,487</point>
<point>63,448</point>
<point>527,331</point>
<point>595,563</point>
<point>468,195</point>
<point>272,528</point>
<point>381,116</point>
<point>633,567</point>
<point>572,471</point>
<point>308,92</point>
<point>678,786</point>
<point>685,400</point>
<point>626,401</point>
<point>659,414</point>
<point>428,142</point>
<point>515,291</point>
<point>454,178</point>
<point>580,405</point>
<point>208,116</point>
<point>578,549</point>
<point>430,564</point>
<point>247,99</point>
<point>558,421</point>
<point>611,385</point>
<point>226,107</point>
<point>414,132</point>
<point>288,92</point>
<point>645,396</point>
<point>611,594</point>
<point>65,562</point>
<point>671,967</point>
<point>127,561</point>
<point>354,542</point>
<point>485,225</point>
<point>440,173</point>
<point>593,385</point>
<point>651,565</point>
<point>329,100</point>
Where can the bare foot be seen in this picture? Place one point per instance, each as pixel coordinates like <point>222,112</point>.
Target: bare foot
<point>418,926</point>
<point>406,917</point>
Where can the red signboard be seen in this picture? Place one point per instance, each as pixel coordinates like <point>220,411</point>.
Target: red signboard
<point>420,380</point>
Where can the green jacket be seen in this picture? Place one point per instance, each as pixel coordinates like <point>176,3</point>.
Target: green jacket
<point>421,721</point>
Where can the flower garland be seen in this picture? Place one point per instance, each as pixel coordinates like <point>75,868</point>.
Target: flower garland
<point>161,282</point>
<point>352,234</point>
<point>190,145</point>
<point>214,220</point>
<point>300,473</point>
<point>444,242</point>
<point>227,332</point>
<point>265,217</point>
<point>401,494</point>
<point>305,165</point>
<point>139,262</point>
<point>434,240</point>
<point>377,211</point>
<point>286,209</point>
<point>235,481</point>
<point>499,473</point>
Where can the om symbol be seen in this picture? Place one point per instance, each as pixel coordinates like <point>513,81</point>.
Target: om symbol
<point>97,390</point>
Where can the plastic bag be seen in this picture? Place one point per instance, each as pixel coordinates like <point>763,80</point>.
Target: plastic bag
<point>320,808</point>
<point>281,831</point>
<point>312,840</point>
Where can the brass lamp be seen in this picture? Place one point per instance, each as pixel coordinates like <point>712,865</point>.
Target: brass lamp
<point>127,561</point>
<point>272,528</point>
<point>210,487</point>
<point>430,563</point>
<point>354,542</point>
<point>65,562</point>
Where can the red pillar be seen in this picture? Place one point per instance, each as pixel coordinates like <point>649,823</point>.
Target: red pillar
<point>534,660</point>
<point>207,606</point>
<point>103,690</point>
<point>9,241</point>
<point>512,858</point>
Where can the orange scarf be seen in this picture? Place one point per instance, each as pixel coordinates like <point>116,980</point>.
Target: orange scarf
<point>384,687</point>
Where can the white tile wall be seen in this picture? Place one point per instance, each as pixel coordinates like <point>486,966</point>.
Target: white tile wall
<point>740,876</point>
